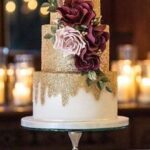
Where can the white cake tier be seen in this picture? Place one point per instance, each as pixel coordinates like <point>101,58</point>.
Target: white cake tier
<point>82,105</point>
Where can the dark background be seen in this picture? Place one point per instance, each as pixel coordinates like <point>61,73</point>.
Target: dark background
<point>129,23</point>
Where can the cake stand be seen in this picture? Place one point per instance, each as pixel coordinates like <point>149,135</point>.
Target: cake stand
<point>75,129</point>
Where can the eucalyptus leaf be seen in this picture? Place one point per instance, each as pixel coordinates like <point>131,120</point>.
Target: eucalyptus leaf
<point>53,39</point>
<point>92,75</point>
<point>89,82</point>
<point>52,8</point>
<point>46,4</point>
<point>53,29</point>
<point>83,73</point>
<point>100,85</point>
<point>48,36</point>
<point>97,21</point>
<point>109,89</point>
<point>53,5</point>
<point>52,1</point>
<point>99,73</point>
<point>105,79</point>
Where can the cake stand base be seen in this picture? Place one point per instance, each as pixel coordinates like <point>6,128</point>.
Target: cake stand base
<point>75,129</point>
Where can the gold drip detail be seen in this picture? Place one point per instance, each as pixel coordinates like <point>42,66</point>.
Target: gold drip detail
<point>65,84</point>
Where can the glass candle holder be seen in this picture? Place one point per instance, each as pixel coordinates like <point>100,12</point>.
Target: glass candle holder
<point>126,70</point>
<point>10,81</point>
<point>144,82</point>
<point>22,91</point>
<point>126,80</point>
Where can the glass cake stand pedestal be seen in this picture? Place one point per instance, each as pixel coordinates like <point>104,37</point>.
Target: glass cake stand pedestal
<point>75,129</point>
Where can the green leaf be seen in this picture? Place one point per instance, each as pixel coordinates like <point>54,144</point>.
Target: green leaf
<point>53,5</point>
<point>89,82</point>
<point>109,89</point>
<point>97,21</point>
<point>46,4</point>
<point>83,73</point>
<point>52,1</point>
<point>53,39</point>
<point>52,8</point>
<point>48,36</point>
<point>105,79</point>
<point>92,75</point>
<point>99,73</point>
<point>100,85</point>
<point>53,29</point>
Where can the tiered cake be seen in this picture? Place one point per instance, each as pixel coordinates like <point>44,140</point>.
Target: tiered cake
<point>65,91</point>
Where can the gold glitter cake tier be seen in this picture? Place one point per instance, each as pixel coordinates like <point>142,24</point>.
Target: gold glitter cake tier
<point>66,84</point>
<point>54,61</point>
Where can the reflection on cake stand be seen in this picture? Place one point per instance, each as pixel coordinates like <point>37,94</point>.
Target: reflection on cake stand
<point>75,129</point>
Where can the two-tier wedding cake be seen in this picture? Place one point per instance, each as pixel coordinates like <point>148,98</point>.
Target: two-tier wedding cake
<point>75,83</point>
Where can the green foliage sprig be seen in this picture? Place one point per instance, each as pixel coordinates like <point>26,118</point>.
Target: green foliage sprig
<point>98,78</point>
<point>51,4</point>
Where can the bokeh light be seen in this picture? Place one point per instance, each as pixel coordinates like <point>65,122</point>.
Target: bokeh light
<point>32,4</point>
<point>44,11</point>
<point>26,1</point>
<point>10,6</point>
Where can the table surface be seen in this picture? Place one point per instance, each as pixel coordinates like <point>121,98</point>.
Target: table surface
<point>129,109</point>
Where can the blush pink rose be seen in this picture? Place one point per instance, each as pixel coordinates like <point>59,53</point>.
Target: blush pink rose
<point>69,41</point>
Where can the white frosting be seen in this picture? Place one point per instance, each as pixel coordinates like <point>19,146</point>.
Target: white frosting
<point>82,107</point>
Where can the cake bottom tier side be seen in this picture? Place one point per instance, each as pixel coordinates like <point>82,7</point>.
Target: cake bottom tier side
<point>67,97</point>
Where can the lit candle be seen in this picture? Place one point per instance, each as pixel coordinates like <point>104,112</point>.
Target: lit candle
<point>21,94</point>
<point>124,87</point>
<point>25,75</point>
<point>126,80</point>
<point>2,86</point>
<point>10,81</point>
<point>144,90</point>
<point>2,92</point>
<point>126,84</point>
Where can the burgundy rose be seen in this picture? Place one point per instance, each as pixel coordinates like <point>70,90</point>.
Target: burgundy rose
<point>97,38</point>
<point>77,12</point>
<point>90,62</point>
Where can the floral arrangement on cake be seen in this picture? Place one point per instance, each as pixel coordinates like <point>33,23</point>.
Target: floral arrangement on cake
<point>79,33</point>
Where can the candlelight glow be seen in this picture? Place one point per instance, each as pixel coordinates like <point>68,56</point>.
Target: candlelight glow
<point>24,72</point>
<point>21,94</point>
<point>32,4</point>
<point>127,69</point>
<point>44,11</point>
<point>10,72</point>
<point>2,85</point>
<point>26,1</point>
<point>146,82</point>
<point>2,72</point>
<point>2,92</point>
<point>10,6</point>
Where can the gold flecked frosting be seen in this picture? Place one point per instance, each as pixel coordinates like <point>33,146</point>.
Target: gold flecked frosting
<point>53,82</point>
<point>53,59</point>
<point>97,7</point>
